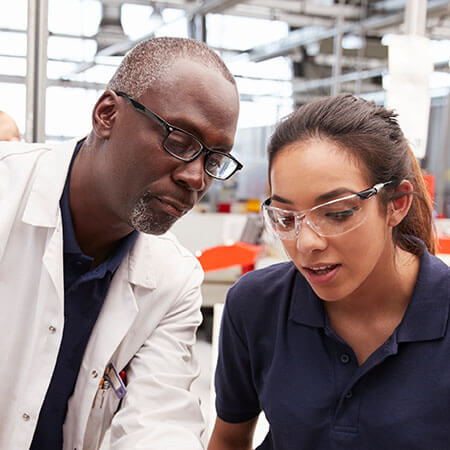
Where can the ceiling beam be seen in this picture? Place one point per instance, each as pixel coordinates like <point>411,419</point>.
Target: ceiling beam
<point>309,8</point>
<point>122,47</point>
<point>301,37</point>
<point>292,19</point>
<point>304,86</point>
<point>212,6</point>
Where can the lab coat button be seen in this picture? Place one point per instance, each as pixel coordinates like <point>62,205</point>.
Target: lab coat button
<point>94,374</point>
<point>26,417</point>
<point>52,329</point>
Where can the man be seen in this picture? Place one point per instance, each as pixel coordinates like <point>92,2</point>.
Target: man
<point>100,306</point>
<point>8,128</point>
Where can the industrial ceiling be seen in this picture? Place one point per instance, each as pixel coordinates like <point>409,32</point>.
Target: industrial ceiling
<point>317,30</point>
<point>322,62</point>
<point>330,45</point>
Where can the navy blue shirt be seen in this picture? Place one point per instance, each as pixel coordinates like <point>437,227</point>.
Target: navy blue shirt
<point>278,353</point>
<point>85,289</point>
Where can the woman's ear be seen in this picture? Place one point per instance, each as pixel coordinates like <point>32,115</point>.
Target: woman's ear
<point>399,206</point>
<point>104,114</point>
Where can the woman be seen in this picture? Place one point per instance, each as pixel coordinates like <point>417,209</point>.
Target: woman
<point>346,346</point>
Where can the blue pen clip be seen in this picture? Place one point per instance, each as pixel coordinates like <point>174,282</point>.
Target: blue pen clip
<point>115,381</point>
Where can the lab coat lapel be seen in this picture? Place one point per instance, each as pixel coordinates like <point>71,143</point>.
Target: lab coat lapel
<point>116,317</point>
<point>120,307</point>
<point>42,208</point>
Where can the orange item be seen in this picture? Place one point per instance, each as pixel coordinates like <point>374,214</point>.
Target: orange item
<point>254,205</point>
<point>430,181</point>
<point>443,245</point>
<point>224,256</point>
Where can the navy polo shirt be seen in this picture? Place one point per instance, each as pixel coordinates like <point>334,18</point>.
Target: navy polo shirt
<point>278,353</point>
<point>85,289</point>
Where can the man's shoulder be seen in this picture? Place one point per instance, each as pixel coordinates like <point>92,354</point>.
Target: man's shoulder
<point>10,150</point>
<point>12,153</point>
<point>163,261</point>
<point>166,243</point>
<point>163,252</point>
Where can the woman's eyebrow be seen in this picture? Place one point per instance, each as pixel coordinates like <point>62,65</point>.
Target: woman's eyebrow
<point>320,199</point>
<point>277,198</point>
<point>333,194</point>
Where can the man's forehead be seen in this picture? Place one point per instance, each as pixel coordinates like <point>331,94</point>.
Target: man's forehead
<point>182,70</point>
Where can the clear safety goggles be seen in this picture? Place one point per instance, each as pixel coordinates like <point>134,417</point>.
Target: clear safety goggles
<point>332,218</point>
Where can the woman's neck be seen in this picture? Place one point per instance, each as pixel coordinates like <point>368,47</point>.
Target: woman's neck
<point>367,318</point>
<point>386,291</point>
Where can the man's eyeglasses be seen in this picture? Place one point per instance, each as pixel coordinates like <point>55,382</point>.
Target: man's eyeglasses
<point>332,218</point>
<point>186,147</point>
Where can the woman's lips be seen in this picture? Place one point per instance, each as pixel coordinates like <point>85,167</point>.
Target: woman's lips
<point>321,273</point>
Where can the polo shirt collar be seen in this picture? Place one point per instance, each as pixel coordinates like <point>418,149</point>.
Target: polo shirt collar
<point>426,317</point>
<point>306,306</point>
<point>427,314</point>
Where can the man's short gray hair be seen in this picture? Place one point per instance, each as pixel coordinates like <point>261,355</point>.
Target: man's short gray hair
<point>150,60</point>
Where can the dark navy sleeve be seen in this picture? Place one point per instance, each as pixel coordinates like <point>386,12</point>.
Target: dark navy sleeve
<point>236,397</point>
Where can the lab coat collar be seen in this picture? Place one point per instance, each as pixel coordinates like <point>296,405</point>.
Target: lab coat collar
<point>42,208</point>
<point>140,258</point>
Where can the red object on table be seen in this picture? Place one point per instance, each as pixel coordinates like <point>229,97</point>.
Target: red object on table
<point>223,207</point>
<point>443,245</point>
<point>224,256</point>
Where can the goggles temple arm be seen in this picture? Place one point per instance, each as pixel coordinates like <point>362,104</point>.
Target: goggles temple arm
<point>374,190</point>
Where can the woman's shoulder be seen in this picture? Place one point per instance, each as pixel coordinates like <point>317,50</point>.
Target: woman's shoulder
<point>263,290</point>
<point>266,279</point>
<point>433,270</point>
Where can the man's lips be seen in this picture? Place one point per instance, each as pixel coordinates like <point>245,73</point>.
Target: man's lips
<point>174,207</point>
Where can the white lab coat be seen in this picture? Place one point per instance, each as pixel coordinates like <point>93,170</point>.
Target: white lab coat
<point>147,324</point>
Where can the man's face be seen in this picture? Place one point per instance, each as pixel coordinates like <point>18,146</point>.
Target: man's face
<point>142,184</point>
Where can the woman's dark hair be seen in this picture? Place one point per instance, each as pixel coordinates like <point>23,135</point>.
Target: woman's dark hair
<point>372,135</point>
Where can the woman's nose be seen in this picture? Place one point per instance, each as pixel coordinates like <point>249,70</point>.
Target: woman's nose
<point>308,240</point>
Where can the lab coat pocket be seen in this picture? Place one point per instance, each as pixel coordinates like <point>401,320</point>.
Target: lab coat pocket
<point>104,406</point>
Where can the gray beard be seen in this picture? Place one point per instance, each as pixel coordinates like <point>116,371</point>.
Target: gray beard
<point>144,219</point>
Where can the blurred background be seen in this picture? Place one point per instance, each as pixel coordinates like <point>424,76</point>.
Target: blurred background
<point>56,57</point>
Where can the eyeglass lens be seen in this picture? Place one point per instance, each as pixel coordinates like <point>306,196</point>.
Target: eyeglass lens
<point>327,220</point>
<point>186,147</point>
<point>182,145</point>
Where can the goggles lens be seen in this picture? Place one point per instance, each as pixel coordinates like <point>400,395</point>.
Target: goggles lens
<point>330,219</point>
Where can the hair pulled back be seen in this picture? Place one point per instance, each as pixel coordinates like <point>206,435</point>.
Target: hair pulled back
<point>372,135</point>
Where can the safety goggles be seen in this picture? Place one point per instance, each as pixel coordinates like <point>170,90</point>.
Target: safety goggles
<point>332,218</point>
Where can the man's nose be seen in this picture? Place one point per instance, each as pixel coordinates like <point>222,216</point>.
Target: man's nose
<point>191,174</point>
<point>308,240</point>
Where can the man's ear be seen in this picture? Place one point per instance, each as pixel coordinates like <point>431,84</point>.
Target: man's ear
<point>104,114</point>
<point>399,206</point>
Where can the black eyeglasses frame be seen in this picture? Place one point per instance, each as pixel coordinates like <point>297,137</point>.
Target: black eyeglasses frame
<point>171,128</point>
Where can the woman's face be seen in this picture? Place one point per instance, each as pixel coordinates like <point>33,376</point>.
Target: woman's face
<point>304,175</point>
